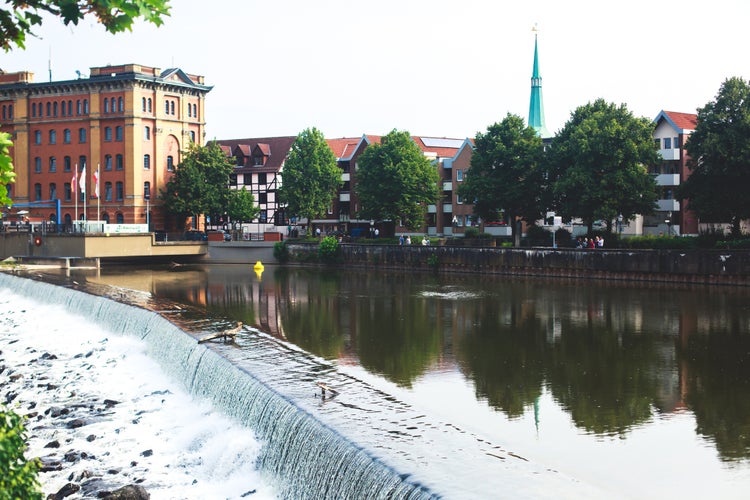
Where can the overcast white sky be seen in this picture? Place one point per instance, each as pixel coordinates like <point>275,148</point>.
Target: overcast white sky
<point>432,67</point>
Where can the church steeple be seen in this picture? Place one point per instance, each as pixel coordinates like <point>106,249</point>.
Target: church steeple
<point>536,106</point>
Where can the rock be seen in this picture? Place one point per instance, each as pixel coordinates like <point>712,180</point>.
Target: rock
<point>65,491</point>
<point>90,438</point>
<point>109,403</point>
<point>147,453</point>
<point>50,465</point>
<point>129,492</point>
<point>76,423</point>
<point>53,444</point>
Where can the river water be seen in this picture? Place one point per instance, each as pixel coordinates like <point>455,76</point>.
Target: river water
<point>580,388</point>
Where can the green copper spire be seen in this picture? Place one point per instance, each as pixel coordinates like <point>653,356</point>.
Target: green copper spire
<point>536,106</point>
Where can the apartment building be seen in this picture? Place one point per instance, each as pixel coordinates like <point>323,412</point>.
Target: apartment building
<point>103,145</point>
<point>671,131</point>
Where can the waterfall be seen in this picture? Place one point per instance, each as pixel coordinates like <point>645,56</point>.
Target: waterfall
<point>303,456</point>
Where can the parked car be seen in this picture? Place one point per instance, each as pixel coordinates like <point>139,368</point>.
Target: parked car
<point>194,235</point>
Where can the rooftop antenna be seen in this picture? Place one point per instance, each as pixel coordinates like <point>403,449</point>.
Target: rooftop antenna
<point>49,63</point>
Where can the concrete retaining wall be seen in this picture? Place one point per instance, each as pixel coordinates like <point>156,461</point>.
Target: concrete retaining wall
<point>679,266</point>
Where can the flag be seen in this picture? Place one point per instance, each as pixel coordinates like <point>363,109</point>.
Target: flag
<point>82,180</point>
<point>96,182</point>
<point>74,181</point>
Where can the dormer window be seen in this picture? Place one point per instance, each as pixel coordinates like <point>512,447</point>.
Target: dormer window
<point>257,160</point>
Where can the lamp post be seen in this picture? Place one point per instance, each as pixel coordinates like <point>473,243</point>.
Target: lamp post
<point>148,211</point>
<point>668,222</point>
<point>619,224</point>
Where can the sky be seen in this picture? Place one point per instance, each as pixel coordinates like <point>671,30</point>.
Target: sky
<point>431,67</point>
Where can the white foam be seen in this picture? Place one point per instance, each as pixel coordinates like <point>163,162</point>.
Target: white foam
<point>191,450</point>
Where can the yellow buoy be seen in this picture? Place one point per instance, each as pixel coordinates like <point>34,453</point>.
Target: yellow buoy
<point>258,266</point>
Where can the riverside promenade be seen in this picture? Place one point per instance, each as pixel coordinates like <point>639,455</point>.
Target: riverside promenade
<point>714,267</point>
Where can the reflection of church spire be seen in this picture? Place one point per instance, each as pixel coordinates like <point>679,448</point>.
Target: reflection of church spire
<point>536,106</point>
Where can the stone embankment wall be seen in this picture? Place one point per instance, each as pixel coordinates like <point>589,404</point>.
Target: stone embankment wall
<point>677,266</point>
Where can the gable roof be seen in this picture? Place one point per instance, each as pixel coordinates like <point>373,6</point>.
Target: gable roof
<point>441,147</point>
<point>682,122</point>
<point>275,149</point>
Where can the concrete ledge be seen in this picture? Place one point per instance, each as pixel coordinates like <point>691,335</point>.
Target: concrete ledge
<point>59,262</point>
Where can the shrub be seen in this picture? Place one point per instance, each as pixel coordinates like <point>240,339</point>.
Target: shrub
<point>328,250</point>
<point>281,252</point>
<point>538,236</point>
<point>432,261</point>
<point>18,476</point>
<point>471,232</point>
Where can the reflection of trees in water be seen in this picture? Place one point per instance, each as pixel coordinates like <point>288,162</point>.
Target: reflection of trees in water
<point>718,387</point>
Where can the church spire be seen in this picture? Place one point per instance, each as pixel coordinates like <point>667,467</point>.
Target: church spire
<point>536,106</point>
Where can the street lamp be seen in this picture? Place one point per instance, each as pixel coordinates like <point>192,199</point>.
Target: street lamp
<point>619,224</point>
<point>668,222</point>
<point>148,210</point>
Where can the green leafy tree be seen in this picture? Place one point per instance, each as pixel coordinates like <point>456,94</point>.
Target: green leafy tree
<point>395,181</point>
<point>599,165</point>
<point>507,174</point>
<point>19,17</point>
<point>311,178</point>
<point>200,184</point>
<point>6,168</point>
<point>241,205</point>
<point>719,149</point>
<point>18,476</point>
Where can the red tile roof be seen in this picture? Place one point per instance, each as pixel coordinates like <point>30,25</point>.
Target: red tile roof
<point>684,121</point>
<point>276,150</point>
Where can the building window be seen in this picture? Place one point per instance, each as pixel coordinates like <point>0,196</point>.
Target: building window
<point>195,111</point>
<point>52,191</point>
<point>62,108</point>
<point>192,136</point>
<point>262,178</point>
<point>171,107</point>
<point>53,136</point>
<point>66,164</point>
<point>52,164</point>
<point>143,103</point>
<point>107,191</point>
<point>146,162</point>
<point>37,165</point>
<point>107,134</point>
<point>37,137</point>
<point>263,197</point>
<point>66,136</point>
<point>37,192</point>
<point>149,104</point>
<point>85,106</point>
<point>675,143</point>
<point>667,143</point>
<point>459,175</point>
<point>67,191</point>
<point>190,111</point>
<point>70,107</point>
<point>120,105</point>
<point>106,105</point>
<point>54,109</point>
<point>82,162</point>
<point>49,109</point>
<point>147,133</point>
<point>118,133</point>
<point>147,190</point>
<point>166,107</point>
<point>119,191</point>
<point>120,218</point>
<point>170,164</point>
<point>33,110</point>
<point>263,216</point>
<point>118,162</point>
<point>78,107</point>
<point>82,135</point>
<point>107,162</point>
<point>459,200</point>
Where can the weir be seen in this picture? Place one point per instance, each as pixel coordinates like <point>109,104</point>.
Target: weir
<point>304,457</point>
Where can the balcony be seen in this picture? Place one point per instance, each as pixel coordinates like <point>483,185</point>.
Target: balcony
<point>447,208</point>
<point>345,197</point>
<point>448,186</point>
<point>670,154</point>
<point>668,180</point>
<point>668,205</point>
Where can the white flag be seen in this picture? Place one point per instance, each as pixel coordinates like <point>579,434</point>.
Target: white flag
<point>96,182</point>
<point>82,180</point>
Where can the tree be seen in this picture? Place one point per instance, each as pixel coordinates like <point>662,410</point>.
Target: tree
<point>200,184</point>
<point>719,149</point>
<point>311,178</point>
<point>6,168</point>
<point>598,165</point>
<point>18,476</point>
<point>19,17</point>
<point>396,181</point>
<point>241,205</point>
<point>506,174</point>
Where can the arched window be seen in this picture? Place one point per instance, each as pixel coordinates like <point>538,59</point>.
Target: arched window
<point>107,191</point>
<point>149,104</point>
<point>190,111</point>
<point>120,104</point>
<point>144,104</point>
<point>120,218</point>
<point>49,109</point>
<point>105,217</point>
<point>62,108</point>
<point>107,134</point>
<point>147,190</point>
<point>118,133</point>
<point>53,136</point>
<point>107,162</point>
<point>170,163</point>
<point>37,192</point>
<point>52,191</point>
<point>195,111</point>
<point>54,109</point>
<point>52,164</point>
<point>147,133</point>
<point>85,106</point>
<point>78,107</point>
<point>67,191</point>
<point>37,165</point>
<point>118,162</point>
<point>112,102</point>
<point>66,164</point>
<point>146,162</point>
<point>106,105</point>
<point>166,107</point>
<point>82,135</point>
<point>68,219</point>
<point>171,107</point>
<point>119,191</point>
<point>66,136</point>
<point>33,110</point>
<point>37,137</point>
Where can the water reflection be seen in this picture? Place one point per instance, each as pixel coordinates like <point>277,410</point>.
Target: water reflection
<point>614,356</point>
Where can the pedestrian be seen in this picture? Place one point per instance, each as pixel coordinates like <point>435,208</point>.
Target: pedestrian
<point>590,243</point>
<point>401,240</point>
<point>408,239</point>
<point>425,241</point>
